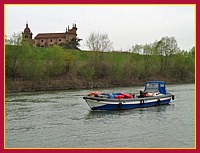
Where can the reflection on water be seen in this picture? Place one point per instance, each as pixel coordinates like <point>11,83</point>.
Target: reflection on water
<point>107,114</point>
<point>63,120</point>
<point>102,114</point>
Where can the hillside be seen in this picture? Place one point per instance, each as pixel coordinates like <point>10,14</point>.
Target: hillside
<point>30,68</point>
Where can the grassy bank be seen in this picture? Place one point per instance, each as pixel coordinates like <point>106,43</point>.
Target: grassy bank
<point>33,69</point>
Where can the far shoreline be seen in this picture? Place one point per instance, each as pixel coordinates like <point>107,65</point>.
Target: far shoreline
<point>18,89</point>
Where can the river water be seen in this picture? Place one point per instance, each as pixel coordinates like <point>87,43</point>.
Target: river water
<point>62,119</point>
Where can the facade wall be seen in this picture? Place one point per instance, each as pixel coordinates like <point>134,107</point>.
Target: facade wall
<point>47,42</point>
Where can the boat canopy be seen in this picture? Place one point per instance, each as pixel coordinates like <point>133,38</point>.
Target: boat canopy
<point>155,86</point>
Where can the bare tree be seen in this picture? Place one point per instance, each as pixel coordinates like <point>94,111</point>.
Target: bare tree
<point>14,39</point>
<point>99,42</point>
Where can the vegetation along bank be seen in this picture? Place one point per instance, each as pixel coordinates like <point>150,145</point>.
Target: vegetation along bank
<point>29,68</point>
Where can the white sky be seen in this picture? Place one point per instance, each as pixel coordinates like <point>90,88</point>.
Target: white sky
<point>126,25</point>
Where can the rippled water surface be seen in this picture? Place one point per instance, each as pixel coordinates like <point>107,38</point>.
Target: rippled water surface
<point>62,119</point>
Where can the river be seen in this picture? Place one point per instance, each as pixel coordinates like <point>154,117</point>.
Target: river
<point>62,119</point>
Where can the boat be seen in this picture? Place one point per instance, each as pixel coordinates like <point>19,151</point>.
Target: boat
<point>154,94</point>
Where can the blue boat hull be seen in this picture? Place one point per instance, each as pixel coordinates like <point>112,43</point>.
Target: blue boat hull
<point>96,103</point>
<point>129,106</point>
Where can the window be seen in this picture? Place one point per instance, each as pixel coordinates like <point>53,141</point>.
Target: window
<point>162,85</point>
<point>42,40</point>
<point>151,87</point>
<point>51,40</point>
<point>59,39</point>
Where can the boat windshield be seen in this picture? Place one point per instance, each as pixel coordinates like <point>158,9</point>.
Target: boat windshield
<point>151,87</point>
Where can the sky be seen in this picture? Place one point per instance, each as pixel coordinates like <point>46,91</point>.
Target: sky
<point>126,25</point>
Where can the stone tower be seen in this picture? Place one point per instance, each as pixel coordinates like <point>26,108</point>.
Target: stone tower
<point>27,34</point>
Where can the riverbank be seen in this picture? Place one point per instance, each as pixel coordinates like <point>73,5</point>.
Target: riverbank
<point>76,84</point>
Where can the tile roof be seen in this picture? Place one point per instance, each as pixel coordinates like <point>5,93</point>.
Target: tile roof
<point>50,35</point>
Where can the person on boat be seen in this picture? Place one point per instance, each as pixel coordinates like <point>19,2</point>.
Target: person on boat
<point>142,94</point>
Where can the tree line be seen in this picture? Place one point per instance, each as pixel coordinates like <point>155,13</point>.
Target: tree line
<point>68,68</point>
